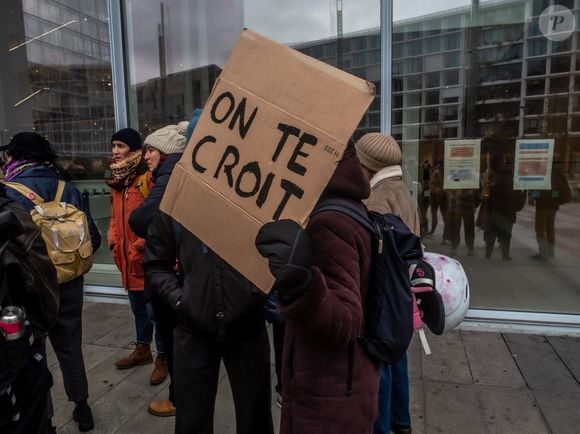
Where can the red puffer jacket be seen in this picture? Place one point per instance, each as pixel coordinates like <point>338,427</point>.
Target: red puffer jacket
<point>320,346</point>
<point>126,246</point>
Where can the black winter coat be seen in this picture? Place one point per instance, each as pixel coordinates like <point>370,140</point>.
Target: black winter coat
<point>142,217</point>
<point>210,297</point>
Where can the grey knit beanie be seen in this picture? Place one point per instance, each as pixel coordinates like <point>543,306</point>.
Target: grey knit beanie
<point>169,139</point>
<point>377,151</point>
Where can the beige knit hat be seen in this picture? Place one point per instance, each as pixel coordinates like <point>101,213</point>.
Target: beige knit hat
<point>169,139</point>
<point>377,151</point>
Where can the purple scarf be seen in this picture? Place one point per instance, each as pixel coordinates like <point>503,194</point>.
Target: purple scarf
<point>14,167</point>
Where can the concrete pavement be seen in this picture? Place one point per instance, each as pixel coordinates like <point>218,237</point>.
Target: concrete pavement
<point>473,382</point>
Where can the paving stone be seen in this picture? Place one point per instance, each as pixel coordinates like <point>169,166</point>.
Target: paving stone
<point>121,337</point>
<point>144,422</point>
<point>561,410</point>
<point>417,406</point>
<point>490,360</point>
<point>540,365</point>
<point>102,318</point>
<point>121,402</point>
<point>568,349</point>
<point>447,361</point>
<point>414,356</point>
<point>511,411</point>
<point>452,408</point>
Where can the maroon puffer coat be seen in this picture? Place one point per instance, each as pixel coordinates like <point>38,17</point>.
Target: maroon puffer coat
<point>322,326</point>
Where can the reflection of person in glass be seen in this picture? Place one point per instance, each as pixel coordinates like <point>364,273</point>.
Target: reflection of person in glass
<point>503,204</point>
<point>437,198</point>
<point>547,204</point>
<point>462,205</point>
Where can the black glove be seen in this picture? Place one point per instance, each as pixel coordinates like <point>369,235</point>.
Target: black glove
<point>287,248</point>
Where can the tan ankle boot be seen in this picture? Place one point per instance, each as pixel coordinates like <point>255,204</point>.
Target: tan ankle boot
<point>141,355</point>
<point>159,373</point>
<point>162,408</point>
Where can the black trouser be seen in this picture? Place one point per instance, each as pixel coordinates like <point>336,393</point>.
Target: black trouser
<point>437,201</point>
<point>28,398</point>
<point>66,338</point>
<point>165,325</point>
<point>500,228</point>
<point>278,328</point>
<point>454,223</point>
<point>197,364</point>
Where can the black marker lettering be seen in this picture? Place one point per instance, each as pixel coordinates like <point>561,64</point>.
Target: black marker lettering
<point>263,195</point>
<point>254,169</point>
<point>194,163</point>
<point>230,150</point>
<point>292,164</point>
<point>239,116</point>
<point>287,130</point>
<point>291,189</point>
<point>217,102</point>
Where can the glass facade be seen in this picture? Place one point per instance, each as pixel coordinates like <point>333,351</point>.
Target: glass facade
<point>484,100</point>
<point>494,103</point>
<point>56,79</point>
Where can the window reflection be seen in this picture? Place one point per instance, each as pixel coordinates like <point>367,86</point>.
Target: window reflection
<point>514,90</point>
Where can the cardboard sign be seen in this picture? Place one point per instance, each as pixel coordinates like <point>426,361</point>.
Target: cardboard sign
<point>533,164</point>
<point>266,145</point>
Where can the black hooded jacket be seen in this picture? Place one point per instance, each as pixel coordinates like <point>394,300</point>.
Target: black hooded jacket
<point>211,298</point>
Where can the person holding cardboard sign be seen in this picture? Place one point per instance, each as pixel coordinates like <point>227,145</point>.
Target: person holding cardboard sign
<point>219,318</point>
<point>330,384</point>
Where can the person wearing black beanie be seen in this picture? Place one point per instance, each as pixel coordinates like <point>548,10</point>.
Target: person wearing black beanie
<point>130,137</point>
<point>130,183</point>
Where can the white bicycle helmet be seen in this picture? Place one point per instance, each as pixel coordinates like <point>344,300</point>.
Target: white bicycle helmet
<point>452,284</point>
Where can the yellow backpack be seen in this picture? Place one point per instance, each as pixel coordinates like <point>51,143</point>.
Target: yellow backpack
<point>65,231</point>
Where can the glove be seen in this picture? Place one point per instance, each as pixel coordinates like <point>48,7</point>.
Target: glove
<point>286,246</point>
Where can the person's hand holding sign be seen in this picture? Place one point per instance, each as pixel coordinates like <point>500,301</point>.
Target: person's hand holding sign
<point>287,247</point>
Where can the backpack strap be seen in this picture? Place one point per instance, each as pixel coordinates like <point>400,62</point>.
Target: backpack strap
<point>59,190</point>
<point>358,214</point>
<point>26,192</point>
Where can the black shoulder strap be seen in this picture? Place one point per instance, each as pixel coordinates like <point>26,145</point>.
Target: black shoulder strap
<point>3,201</point>
<point>357,213</point>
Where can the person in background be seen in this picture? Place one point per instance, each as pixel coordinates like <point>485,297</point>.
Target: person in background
<point>380,157</point>
<point>28,281</point>
<point>329,383</point>
<point>548,203</point>
<point>130,183</point>
<point>461,209</point>
<point>219,318</point>
<point>30,161</point>
<point>163,149</point>
<point>437,200</point>
<point>503,204</point>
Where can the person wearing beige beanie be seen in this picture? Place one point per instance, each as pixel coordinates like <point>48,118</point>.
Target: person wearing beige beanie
<point>164,149</point>
<point>164,141</point>
<point>380,157</point>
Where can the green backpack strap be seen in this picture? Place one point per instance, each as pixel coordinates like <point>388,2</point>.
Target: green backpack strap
<point>25,191</point>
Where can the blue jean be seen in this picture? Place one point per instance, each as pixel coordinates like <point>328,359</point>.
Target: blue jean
<point>144,320</point>
<point>393,397</point>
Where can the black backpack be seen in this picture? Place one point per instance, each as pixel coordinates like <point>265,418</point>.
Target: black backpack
<point>388,309</point>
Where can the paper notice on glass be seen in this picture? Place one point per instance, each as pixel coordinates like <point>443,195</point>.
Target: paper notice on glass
<point>533,164</point>
<point>462,162</point>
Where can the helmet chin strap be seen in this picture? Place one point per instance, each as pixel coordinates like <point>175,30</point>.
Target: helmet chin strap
<point>424,342</point>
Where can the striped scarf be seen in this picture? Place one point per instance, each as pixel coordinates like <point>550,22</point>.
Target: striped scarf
<point>124,172</point>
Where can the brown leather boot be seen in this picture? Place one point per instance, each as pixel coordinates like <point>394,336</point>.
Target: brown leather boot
<point>162,408</point>
<point>159,373</point>
<point>141,355</point>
